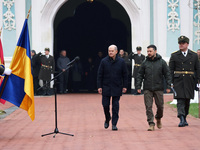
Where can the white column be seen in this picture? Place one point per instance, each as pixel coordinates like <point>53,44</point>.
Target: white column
<point>1,16</point>
<point>37,7</point>
<point>186,14</point>
<point>144,30</point>
<point>20,16</point>
<point>160,26</point>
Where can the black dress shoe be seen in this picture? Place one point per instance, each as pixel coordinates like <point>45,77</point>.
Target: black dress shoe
<point>136,93</point>
<point>114,128</point>
<point>106,124</point>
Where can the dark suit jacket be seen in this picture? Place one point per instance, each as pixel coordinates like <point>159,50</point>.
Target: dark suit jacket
<point>35,65</point>
<point>184,84</point>
<point>112,76</point>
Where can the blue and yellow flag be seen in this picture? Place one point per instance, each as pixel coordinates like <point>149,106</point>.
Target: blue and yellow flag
<point>19,86</point>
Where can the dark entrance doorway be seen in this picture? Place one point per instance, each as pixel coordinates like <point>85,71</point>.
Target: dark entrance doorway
<point>85,28</point>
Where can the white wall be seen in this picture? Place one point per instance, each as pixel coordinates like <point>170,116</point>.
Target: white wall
<point>36,25</point>
<point>186,17</point>
<point>19,16</point>
<point>160,26</point>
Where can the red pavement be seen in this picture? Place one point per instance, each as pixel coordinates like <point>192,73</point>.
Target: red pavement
<point>82,115</point>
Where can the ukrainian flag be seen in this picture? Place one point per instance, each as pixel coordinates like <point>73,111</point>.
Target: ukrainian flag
<point>19,86</point>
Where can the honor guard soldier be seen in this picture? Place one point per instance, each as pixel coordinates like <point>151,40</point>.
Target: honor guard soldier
<point>184,66</point>
<point>138,58</point>
<point>47,68</point>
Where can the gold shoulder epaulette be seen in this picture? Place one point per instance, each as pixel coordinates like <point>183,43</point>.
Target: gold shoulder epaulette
<point>193,51</point>
<point>175,52</point>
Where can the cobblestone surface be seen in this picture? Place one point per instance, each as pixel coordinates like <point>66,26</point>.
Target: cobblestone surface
<point>82,115</point>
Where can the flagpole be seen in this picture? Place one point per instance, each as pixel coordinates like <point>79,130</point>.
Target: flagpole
<point>3,87</point>
<point>28,13</point>
<point>0,31</point>
<point>5,78</point>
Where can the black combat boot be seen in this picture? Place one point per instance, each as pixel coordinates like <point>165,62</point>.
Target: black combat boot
<point>186,124</point>
<point>182,121</point>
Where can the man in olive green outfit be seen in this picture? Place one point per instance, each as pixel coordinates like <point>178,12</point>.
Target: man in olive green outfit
<point>152,71</point>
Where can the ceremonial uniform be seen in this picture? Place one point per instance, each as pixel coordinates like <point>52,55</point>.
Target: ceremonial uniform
<point>47,68</point>
<point>138,59</point>
<point>185,72</point>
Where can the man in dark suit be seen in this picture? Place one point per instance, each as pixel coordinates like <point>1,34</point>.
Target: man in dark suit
<point>35,68</point>
<point>47,68</point>
<point>62,62</point>
<point>112,81</point>
<point>185,71</point>
<point>138,58</point>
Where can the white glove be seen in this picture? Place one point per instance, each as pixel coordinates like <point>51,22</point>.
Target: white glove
<point>7,71</point>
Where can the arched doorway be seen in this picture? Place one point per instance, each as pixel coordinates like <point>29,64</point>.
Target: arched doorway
<point>83,29</point>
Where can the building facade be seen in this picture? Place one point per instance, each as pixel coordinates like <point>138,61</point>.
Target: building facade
<point>84,27</point>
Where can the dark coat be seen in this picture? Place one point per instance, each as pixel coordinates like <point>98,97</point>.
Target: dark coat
<point>1,70</point>
<point>153,73</point>
<point>35,65</point>
<point>138,61</point>
<point>184,84</point>
<point>62,63</point>
<point>112,76</point>
<point>128,64</point>
<point>45,72</point>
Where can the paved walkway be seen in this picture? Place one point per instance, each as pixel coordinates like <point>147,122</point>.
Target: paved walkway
<point>82,115</point>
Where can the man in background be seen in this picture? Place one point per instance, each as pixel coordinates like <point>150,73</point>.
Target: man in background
<point>198,53</point>
<point>62,62</point>
<point>138,59</point>
<point>35,68</point>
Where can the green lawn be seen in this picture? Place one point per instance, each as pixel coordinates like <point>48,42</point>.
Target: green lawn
<point>194,109</point>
